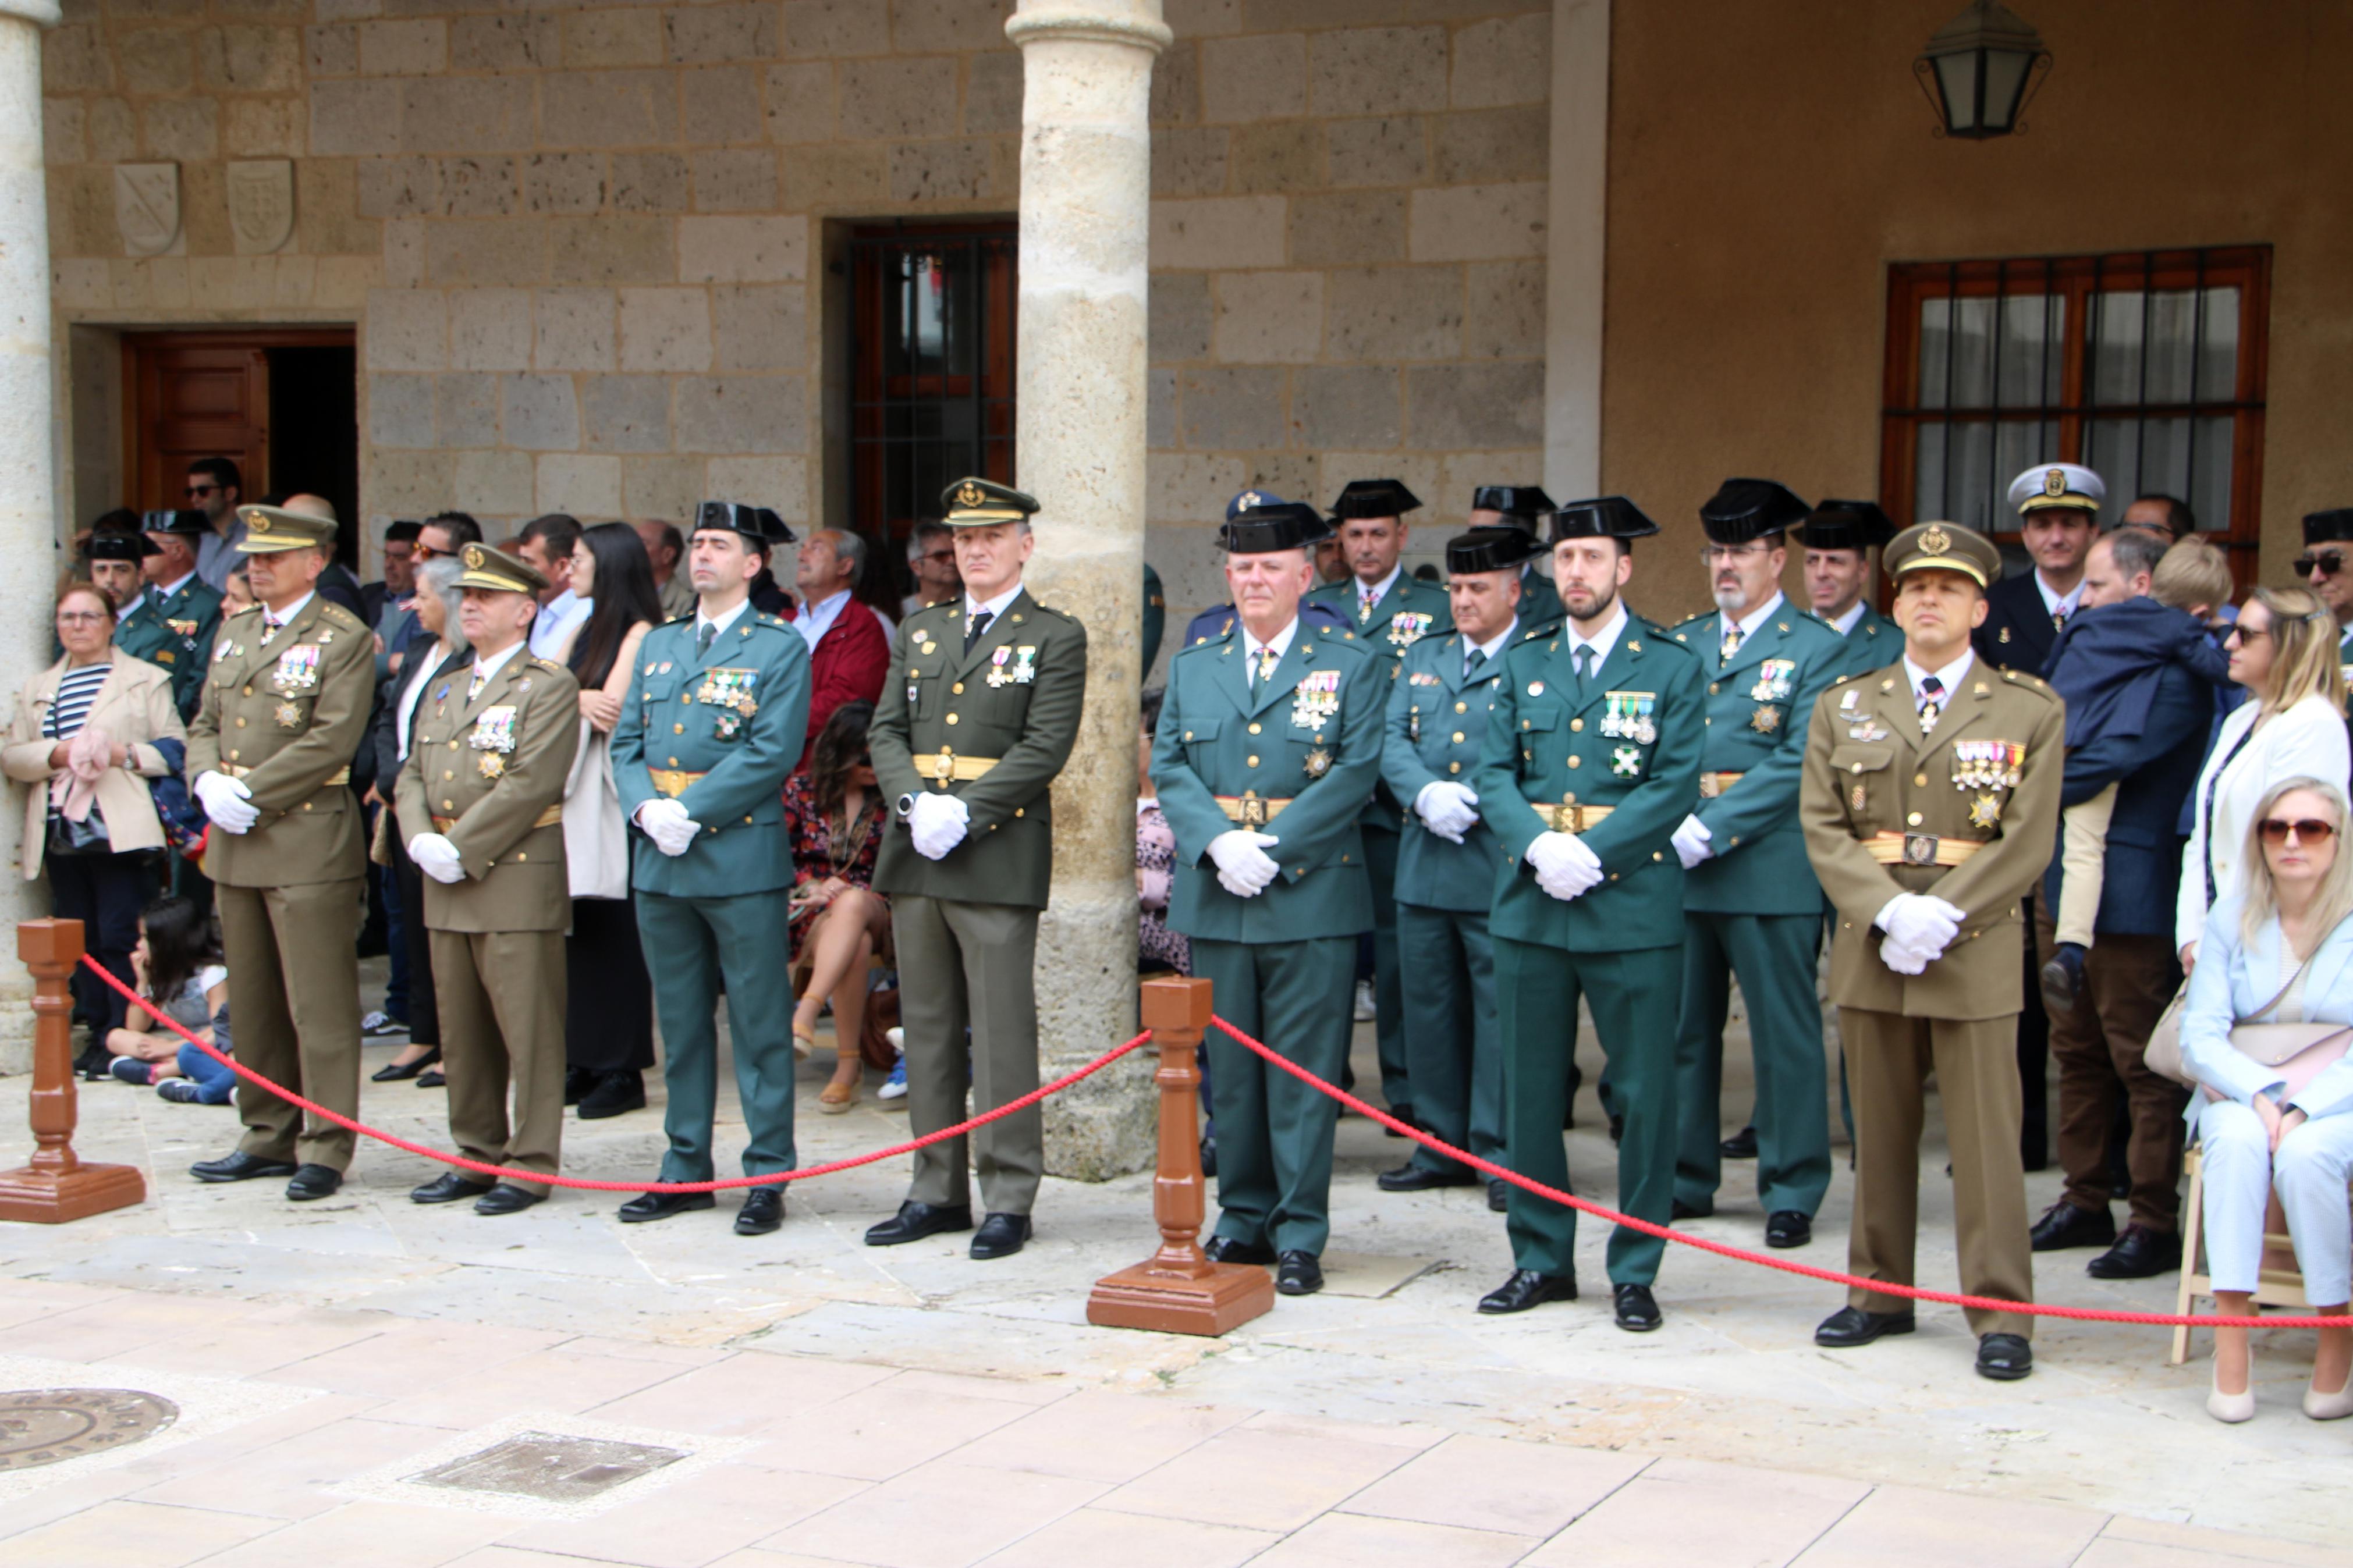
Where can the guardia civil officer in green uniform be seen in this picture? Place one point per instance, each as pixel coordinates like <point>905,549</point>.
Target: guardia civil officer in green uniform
<point>116,564</point>
<point>714,723</point>
<point>1268,745</point>
<point>1448,860</point>
<point>1751,906</point>
<point>269,752</point>
<point>490,750</point>
<point>178,614</point>
<point>1390,609</point>
<point>978,716</point>
<point>1523,507</point>
<point>1591,760</point>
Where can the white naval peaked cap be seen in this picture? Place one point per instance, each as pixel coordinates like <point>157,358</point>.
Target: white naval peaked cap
<point>2057,484</point>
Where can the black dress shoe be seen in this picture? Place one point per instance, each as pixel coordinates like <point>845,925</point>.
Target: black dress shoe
<point>1209,1154</point>
<point>2005,1357</point>
<point>239,1167</point>
<point>763,1211</point>
<point>1527,1289</point>
<point>1411,1178</point>
<point>94,1063</point>
<point>507,1199</point>
<point>614,1094</point>
<point>1683,1210</point>
<point>1741,1145</point>
<point>1226,1249</point>
<point>2139,1253</point>
<point>432,1077</point>
<point>1637,1311</point>
<point>1000,1236</point>
<point>394,1072</point>
<point>1618,1128</point>
<point>662,1205</point>
<point>1788,1227</point>
<point>448,1188</point>
<point>2064,1226</point>
<point>577,1081</point>
<point>915,1221</point>
<point>313,1182</point>
<point>2063,979</point>
<point>1298,1274</point>
<point>1851,1326</point>
<point>1499,1195</point>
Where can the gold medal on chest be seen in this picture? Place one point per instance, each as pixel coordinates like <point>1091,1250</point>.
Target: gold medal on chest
<point>490,764</point>
<point>1316,764</point>
<point>288,717</point>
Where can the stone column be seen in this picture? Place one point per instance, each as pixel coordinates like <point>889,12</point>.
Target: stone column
<point>28,531</point>
<point>1086,196</point>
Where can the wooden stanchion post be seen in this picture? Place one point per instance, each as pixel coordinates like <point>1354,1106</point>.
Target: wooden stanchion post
<point>56,1187</point>
<point>1178,1289</point>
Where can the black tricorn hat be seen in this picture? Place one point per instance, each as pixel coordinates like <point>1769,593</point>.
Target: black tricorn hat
<point>111,546</point>
<point>1263,529</point>
<point>175,519</point>
<point>1523,503</point>
<point>1604,517</point>
<point>1743,510</point>
<point>1847,525</point>
<point>1374,498</point>
<point>1491,550</point>
<point>756,524</point>
<point>2328,527</point>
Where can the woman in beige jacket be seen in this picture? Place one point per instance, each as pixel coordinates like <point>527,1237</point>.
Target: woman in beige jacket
<point>84,738</point>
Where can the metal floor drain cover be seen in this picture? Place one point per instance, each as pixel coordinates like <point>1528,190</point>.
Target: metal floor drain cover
<point>48,1426</point>
<point>551,1468</point>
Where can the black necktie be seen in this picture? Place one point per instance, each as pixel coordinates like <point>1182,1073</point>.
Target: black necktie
<point>1471,665</point>
<point>1932,703</point>
<point>1582,657</point>
<point>980,627</point>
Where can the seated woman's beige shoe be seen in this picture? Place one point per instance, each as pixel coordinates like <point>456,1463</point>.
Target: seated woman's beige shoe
<point>2329,1406</point>
<point>2230,1407</point>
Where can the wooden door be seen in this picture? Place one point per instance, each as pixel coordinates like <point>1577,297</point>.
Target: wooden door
<point>201,394</point>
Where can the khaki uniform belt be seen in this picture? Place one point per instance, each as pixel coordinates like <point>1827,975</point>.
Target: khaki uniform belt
<point>1249,810</point>
<point>1566,818</point>
<point>1920,848</point>
<point>548,818</point>
<point>671,781</point>
<point>340,776</point>
<point>1713,785</point>
<point>946,767</point>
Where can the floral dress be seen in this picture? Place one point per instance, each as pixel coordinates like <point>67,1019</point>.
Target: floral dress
<point>820,851</point>
<point>1157,947</point>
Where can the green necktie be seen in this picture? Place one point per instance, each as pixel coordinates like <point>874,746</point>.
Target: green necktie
<point>702,636</point>
<point>1582,657</point>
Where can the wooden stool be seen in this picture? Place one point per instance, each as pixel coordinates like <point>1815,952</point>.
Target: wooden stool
<point>2278,1283</point>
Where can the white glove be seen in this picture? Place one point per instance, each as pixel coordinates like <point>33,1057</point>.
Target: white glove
<point>1900,959</point>
<point>1563,865</point>
<point>1244,867</point>
<point>1447,809</point>
<point>1691,842</point>
<point>227,802</point>
<point>937,823</point>
<point>667,824</point>
<point>1921,923</point>
<point>436,857</point>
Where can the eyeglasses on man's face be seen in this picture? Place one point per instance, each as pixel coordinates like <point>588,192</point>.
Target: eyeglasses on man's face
<point>198,492</point>
<point>936,555</point>
<point>2327,565</point>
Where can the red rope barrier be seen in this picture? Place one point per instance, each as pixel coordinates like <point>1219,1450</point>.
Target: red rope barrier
<point>541,1178</point>
<point>1724,1249</point>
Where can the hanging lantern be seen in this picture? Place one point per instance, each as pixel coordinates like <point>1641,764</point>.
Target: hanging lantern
<point>1979,71</point>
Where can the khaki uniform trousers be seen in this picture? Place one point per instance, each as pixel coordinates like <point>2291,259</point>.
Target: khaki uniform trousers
<point>294,1004</point>
<point>970,965</point>
<point>1889,1058</point>
<point>508,1030</point>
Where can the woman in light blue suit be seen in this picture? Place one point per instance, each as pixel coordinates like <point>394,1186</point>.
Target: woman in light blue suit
<point>2279,951</point>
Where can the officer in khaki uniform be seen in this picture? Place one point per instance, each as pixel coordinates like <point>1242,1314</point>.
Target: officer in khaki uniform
<point>490,750</point>
<point>1930,802</point>
<point>978,714</point>
<point>269,753</point>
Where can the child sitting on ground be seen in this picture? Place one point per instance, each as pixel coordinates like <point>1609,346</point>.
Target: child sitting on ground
<point>176,966</point>
<point>2106,663</point>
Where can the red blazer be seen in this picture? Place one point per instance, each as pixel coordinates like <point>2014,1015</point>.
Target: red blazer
<point>851,661</point>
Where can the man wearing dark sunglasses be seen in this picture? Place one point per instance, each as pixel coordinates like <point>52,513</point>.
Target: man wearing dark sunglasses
<point>2323,567</point>
<point>214,488</point>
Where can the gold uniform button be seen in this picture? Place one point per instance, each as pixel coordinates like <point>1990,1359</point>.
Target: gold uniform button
<point>1253,761</point>
<point>673,762</point>
<point>306,805</point>
<point>1914,819</point>
<point>1018,810</point>
<point>446,775</point>
<point>1919,781</point>
<point>233,755</point>
<point>952,718</point>
<point>249,691</point>
<point>453,746</point>
<point>240,724</point>
<point>448,806</point>
<point>957,689</point>
<point>1458,737</point>
<point>1577,762</point>
<point>522,855</point>
<point>677,729</point>
<point>1462,708</point>
<point>1854,767</point>
<point>1576,725</point>
<point>1454,767</point>
<point>747,822</point>
<point>1711,689</point>
<point>1253,729</point>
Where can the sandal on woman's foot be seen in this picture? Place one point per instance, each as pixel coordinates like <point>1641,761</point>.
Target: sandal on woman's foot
<point>804,1042</point>
<point>838,1097</point>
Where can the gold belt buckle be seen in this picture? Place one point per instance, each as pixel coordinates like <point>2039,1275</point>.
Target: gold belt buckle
<point>943,767</point>
<point>1563,817</point>
<point>1919,849</point>
<point>1253,810</point>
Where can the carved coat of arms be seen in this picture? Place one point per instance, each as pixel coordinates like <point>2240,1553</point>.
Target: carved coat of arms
<point>261,204</point>
<point>147,206</point>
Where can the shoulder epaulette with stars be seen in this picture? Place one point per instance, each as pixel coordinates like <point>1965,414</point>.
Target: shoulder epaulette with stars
<point>769,620</point>
<point>2034,683</point>
<point>1687,620</point>
<point>546,664</point>
<point>243,610</point>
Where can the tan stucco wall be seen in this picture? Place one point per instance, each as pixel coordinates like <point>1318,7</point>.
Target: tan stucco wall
<point>1766,163</point>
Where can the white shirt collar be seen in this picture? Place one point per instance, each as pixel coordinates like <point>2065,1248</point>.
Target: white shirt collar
<point>1846,622</point>
<point>995,607</point>
<point>1950,676</point>
<point>1380,590</point>
<point>1279,642</point>
<point>1759,616</point>
<point>270,617</point>
<point>168,589</point>
<point>2056,603</point>
<point>817,619</point>
<point>1603,645</point>
<point>486,668</point>
<point>124,614</point>
<point>723,620</point>
<point>1492,646</point>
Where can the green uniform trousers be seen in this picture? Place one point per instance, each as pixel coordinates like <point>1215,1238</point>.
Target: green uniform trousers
<point>1632,995</point>
<point>1389,985</point>
<point>294,1002</point>
<point>1774,957</point>
<point>692,944</point>
<point>1275,1132</point>
<point>970,966</point>
<point>502,1000</point>
<point>1453,1053</point>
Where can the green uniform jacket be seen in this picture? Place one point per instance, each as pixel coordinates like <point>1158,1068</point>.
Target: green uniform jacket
<point>1426,612</point>
<point>488,774</point>
<point>1016,697</point>
<point>1874,642</point>
<point>1756,709</point>
<point>1289,740</point>
<point>1546,748</point>
<point>737,716</point>
<point>284,718</point>
<point>1869,771</point>
<point>175,633</point>
<point>1435,724</point>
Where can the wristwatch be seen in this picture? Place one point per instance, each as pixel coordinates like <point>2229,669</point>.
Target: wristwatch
<point>906,804</point>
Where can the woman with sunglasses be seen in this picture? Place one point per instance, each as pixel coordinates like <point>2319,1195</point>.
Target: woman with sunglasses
<point>2278,952</point>
<point>2283,649</point>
